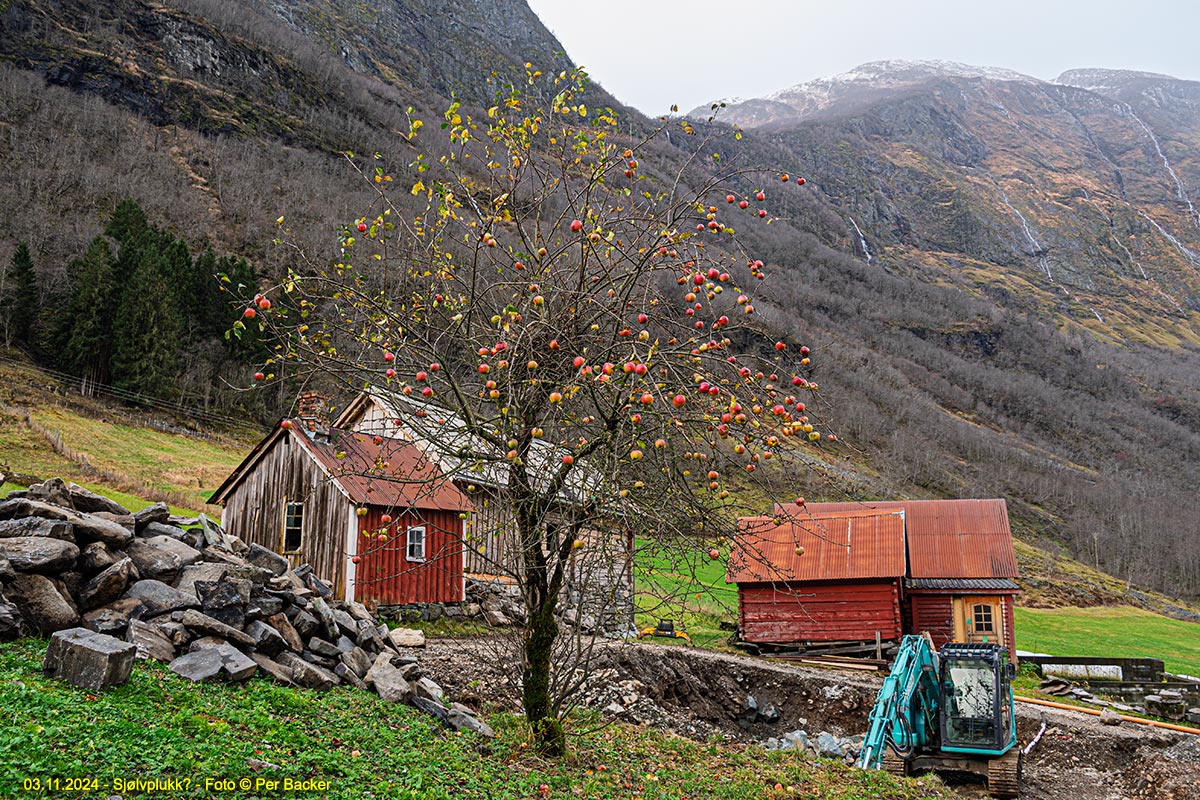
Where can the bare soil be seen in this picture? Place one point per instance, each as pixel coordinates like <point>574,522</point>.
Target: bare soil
<point>703,695</point>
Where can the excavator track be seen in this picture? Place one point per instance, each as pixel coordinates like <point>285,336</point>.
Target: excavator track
<point>894,764</point>
<point>1004,774</point>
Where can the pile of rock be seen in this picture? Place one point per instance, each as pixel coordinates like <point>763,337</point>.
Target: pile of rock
<point>185,592</point>
<point>823,745</point>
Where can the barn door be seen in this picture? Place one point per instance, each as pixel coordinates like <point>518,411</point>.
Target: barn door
<point>982,619</point>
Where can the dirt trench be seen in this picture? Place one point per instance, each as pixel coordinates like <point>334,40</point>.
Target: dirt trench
<point>704,695</point>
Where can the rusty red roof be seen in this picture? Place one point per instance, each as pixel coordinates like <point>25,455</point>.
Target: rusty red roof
<point>948,538</point>
<point>818,546</point>
<point>381,471</point>
<point>369,470</point>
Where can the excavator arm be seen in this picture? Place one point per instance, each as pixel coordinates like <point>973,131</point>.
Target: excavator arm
<point>905,715</point>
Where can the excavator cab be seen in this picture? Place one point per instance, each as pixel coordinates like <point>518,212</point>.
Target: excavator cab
<point>951,710</point>
<point>976,699</point>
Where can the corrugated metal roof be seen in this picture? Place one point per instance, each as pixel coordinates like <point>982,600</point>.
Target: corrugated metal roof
<point>382,471</point>
<point>948,538</point>
<point>444,437</point>
<point>963,584</point>
<point>836,546</point>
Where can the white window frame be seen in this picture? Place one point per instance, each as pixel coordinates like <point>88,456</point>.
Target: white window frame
<point>409,542</point>
<point>287,514</point>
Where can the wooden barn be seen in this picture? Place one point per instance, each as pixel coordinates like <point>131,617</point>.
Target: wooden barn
<point>600,580</point>
<point>830,578</point>
<point>371,515</point>
<point>949,564</point>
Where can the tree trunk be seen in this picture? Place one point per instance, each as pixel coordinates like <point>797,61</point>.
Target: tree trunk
<point>539,639</point>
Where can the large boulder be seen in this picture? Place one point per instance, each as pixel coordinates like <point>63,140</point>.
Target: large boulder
<point>150,641</point>
<point>202,571</point>
<point>89,502</point>
<point>161,557</point>
<point>273,668</point>
<point>160,598</point>
<point>267,640</point>
<point>42,603</point>
<point>203,624</point>
<point>260,556</point>
<point>97,557</point>
<point>25,507</point>
<point>407,637</point>
<point>462,718</point>
<point>154,513</point>
<point>37,527</point>
<point>152,529</point>
<point>235,666</point>
<point>388,681</point>
<point>224,600</point>
<point>88,659</point>
<point>198,665</point>
<point>357,661</point>
<point>433,709</point>
<point>53,491</point>
<point>39,554</point>
<point>280,623</point>
<point>305,674</point>
<point>107,585</point>
<point>93,528</point>
<point>7,573</point>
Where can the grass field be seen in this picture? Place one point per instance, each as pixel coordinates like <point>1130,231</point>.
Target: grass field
<point>688,588</point>
<point>162,726</point>
<point>1121,631</point>
<point>110,448</point>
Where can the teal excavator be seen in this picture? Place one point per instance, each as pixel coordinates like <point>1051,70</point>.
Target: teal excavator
<point>950,711</point>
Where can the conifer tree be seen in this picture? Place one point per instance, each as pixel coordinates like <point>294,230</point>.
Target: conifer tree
<point>87,346</point>
<point>146,328</point>
<point>21,297</point>
<point>128,222</point>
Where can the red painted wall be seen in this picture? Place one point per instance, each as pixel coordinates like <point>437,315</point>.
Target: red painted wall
<point>819,612</point>
<point>932,613</point>
<point>383,572</point>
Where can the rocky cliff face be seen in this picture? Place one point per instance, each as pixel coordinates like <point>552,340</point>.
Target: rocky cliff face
<point>1078,194</point>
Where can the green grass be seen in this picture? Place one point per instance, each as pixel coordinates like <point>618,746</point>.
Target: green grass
<point>164,461</point>
<point>161,726</point>
<point>129,501</point>
<point>688,588</point>
<point>1114,631</point>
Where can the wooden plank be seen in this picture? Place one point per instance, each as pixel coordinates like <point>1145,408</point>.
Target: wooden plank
<point>816,661</point>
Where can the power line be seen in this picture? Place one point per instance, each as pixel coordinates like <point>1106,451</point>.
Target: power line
<point>87,387</point>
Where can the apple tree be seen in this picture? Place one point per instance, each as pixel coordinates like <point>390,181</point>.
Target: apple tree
<point>576,297</point>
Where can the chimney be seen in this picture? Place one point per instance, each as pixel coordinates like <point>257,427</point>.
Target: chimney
<point>312,408</point>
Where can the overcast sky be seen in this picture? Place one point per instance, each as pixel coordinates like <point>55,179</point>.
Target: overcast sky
<point>653,53</point>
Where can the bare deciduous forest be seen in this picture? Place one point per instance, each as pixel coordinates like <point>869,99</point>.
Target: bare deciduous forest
<point>938,388</point>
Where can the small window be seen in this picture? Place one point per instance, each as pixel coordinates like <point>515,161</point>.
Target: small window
<point>982,614</point>
<point>416,544</point>
<point>293,524</point>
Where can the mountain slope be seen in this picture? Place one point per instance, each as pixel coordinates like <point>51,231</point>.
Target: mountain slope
<point>1075,195</point>
<point>958,358</point>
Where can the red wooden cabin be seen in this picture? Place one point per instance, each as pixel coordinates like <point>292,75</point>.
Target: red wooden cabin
<point>321,496</point>
<point>828,578</point>
<point>949,564</point>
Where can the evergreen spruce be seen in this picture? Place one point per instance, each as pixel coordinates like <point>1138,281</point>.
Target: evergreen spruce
<point>127,223</point>
<point>88,339</point>
<point>20,298</point>
<point>147,326</point>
